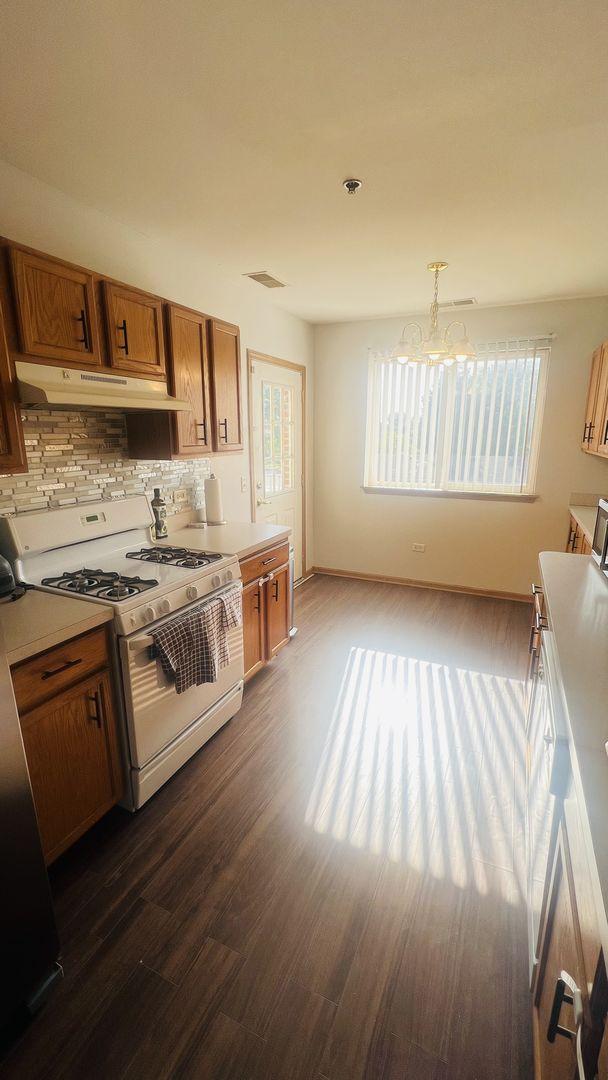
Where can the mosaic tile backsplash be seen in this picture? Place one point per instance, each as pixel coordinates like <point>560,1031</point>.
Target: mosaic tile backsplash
<point>83,457</point>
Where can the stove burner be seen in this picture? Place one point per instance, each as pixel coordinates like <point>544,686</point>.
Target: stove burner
<point>105,584</point>
<point>175,556</point>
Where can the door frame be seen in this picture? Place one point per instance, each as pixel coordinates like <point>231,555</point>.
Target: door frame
<point>264,358</point>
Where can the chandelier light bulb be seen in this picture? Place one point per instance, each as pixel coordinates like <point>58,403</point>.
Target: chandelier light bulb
<point>435,347</point>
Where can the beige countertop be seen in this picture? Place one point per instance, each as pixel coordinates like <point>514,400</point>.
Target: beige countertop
<point>576,594</point>
<point>585,518</point>
<point>235,538</point>
<point>39,620</point>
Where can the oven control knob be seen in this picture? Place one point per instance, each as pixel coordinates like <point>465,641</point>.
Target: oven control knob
<point>215,581</point>
<point>164,606</point>
<point>228,575</point>
<point>150,613</point>
<point>133,620</point>
<point>192,592</point>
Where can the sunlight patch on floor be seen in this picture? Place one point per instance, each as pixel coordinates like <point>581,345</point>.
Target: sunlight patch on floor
<point>425,763</point>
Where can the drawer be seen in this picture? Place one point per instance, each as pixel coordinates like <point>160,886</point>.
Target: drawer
<point>257,565</point>
<point>40,678</point>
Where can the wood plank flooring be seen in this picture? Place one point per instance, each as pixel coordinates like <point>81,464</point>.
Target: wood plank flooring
<point>333,888</point>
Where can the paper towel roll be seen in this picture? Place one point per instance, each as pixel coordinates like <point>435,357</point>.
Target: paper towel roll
<point>213,501</point>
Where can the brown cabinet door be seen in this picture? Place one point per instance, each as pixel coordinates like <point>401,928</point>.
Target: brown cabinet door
<point>12,447</point>
<point>56,309</point>
<point>585,545</point>
<point>189,380</point>
<point>254,622</point>
<point>277,611</point>
<point>225,360</point>
<point>135,331</point>
<point>599,441</point>
<point>575,537</point>
<point>560,953</point>
<point>72,755</point>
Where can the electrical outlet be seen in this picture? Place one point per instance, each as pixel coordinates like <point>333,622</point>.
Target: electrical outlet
<point>180,495</point>
<point>418,547</point>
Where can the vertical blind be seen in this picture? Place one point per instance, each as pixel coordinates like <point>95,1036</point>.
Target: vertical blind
<point>472,426</point>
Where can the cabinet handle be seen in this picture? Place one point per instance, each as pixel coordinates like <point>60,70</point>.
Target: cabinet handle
<point>58,670</point>
<point>123,327</point>
<point>276,589</point>
<point>606,433</point>
<point>95,700</point>
<point>574,998</point>
<point>537,590</point>
<point>585,431</point>
<point>575,540</point>
<point>570,539</point>
<point>265,562</point>
<point>203,425</point>
<point>591,430</point>
<point>256,607</point>
<point>84,340</point>
<point>223,424</point>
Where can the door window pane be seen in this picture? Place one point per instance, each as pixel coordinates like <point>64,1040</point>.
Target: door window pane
<point>278,438</point>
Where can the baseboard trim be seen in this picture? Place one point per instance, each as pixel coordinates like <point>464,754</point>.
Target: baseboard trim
<point>492,594</point>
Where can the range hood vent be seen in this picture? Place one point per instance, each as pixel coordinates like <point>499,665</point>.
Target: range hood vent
<point>40,384</point>
<point>267,280</point>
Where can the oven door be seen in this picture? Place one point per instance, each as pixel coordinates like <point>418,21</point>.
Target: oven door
<point>156,714</point>
<point>600,536</point>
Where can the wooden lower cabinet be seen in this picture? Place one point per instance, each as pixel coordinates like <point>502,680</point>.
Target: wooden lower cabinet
<point>577,542</point>
<point>254,620</point>
<point>278,611</point>
<point>266,606</point>
<point>71,746</point>
<point>568,1020</point>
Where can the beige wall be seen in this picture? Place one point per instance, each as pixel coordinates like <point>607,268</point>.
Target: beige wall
<point>477,543</point>
<point>36,214</point>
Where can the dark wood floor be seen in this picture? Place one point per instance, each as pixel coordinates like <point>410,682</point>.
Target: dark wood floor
<point>334,886</point>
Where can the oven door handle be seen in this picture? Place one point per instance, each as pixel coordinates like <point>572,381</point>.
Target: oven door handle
<point>139,642</point>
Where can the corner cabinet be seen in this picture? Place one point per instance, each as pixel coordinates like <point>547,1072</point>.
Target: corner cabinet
<point>266,605</point>
<point>12,447</point>
<point>134,326</point>
<point>56,310</point>
<point>225,364</point>
<point>594,438</point>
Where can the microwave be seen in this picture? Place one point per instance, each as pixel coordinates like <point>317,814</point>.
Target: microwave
<point>600,536</point>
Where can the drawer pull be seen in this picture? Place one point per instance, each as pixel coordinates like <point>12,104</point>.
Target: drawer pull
<point>96,703</point>
<point>58,670</point>
<point>276,588</point>
<point>567,991</point>
<point>265,562</point>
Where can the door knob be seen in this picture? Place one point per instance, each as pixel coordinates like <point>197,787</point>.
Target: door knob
<point>263,502</point>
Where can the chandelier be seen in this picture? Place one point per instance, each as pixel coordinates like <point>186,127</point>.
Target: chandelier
<point>436,348</point>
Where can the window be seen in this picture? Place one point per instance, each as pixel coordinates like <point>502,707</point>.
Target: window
<point>473,426</point>
<point>278,438</point>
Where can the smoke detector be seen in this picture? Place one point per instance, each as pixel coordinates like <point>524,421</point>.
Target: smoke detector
<point>352,185</point>
<point>267,280</point>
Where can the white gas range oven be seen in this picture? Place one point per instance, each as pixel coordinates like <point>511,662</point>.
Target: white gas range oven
<point>102,554</point>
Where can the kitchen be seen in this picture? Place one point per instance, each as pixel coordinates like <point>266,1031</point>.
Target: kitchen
<point>303,602</point>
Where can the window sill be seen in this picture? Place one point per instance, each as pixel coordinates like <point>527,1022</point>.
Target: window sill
<point>433,493</point>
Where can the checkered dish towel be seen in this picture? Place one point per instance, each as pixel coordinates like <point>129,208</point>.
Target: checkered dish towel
<point>193,647</point>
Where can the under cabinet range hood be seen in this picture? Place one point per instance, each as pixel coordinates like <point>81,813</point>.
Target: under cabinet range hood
<point>40,384</point>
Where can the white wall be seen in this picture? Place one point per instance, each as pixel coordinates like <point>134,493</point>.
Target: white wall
<point>476,543</point>
<point>35,214</point>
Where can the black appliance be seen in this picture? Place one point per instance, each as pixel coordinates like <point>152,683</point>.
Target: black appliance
<point>600,537</point>
<point>7,578</point>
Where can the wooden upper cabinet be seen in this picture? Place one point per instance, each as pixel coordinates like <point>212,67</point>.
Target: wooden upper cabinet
<point>134,323</point>
<point>189,380</point>
<point>225,363</point>
<point>56,312</point>
<point>12,447</point>
<point>595,431</point>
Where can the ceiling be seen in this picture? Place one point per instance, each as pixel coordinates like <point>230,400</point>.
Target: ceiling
<point>479,130</point>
